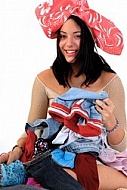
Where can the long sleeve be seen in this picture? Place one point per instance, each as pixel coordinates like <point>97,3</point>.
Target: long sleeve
<point>116,93</point>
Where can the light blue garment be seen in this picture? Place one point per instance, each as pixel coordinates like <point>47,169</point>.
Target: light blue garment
<point>48,126</point>
<point>77,93</point>
<point>65,159</point>
<point>61,110</point>
<point>67,100</point>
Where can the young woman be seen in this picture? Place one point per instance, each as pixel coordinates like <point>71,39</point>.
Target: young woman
<point>78,64</point>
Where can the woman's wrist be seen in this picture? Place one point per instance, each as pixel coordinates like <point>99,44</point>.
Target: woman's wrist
<point>114,128</point>
<point>18,147</point>
<point>109,125</point>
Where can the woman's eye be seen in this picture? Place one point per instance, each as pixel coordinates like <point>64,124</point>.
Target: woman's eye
<point>77,36</point>
<point>62,36</point>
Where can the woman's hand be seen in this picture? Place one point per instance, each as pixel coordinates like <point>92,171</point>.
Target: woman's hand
<point>106,109</point>
<point>11,156</point>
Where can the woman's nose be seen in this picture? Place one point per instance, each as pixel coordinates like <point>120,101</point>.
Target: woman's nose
<point>69,42</point>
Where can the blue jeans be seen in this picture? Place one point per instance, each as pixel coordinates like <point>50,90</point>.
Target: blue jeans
<point>50,175</point>
<point>21,187</point>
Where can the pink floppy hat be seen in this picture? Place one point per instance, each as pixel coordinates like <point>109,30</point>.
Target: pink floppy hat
<point>53,13</point>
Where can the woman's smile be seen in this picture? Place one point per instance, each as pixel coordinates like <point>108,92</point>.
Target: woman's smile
<point>70,37</point>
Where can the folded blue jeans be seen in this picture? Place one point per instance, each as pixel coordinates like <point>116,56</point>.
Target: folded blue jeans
<point>22,187</point>
<point>50,175</point>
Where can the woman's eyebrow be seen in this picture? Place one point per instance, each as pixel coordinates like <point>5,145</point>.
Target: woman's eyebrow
<point>62,31</point>
<point>73,32</point>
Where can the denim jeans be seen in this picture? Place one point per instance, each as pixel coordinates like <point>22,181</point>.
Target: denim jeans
<point>50,175</point>
<point>21,187</point>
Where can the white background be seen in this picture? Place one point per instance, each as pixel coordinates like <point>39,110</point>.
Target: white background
<point>25,51</point>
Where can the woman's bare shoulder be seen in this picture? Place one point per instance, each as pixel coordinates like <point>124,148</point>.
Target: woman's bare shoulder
<point>44,75</point>
<point>49,80</point>
<point>47,77</point>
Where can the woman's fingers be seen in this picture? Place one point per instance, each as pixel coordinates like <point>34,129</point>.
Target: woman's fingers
<point>12,157</point>
<point>9,157</point>
<point>4,157</point>
<point>106,109</point>
<point>105,105</point>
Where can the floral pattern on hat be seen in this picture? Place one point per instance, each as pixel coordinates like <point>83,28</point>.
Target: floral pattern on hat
<point>52,14</point>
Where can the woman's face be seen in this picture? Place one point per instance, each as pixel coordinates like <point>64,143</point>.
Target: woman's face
<point>70,36</point>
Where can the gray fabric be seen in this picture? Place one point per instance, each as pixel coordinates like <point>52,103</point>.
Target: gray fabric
<point>22,187</point>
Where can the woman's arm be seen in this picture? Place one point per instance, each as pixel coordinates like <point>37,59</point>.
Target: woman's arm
<point>38,110</point>
<point>39,102</point>
<point>118,138</point>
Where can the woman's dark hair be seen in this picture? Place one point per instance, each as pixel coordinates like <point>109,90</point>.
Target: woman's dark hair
<point>88,61</point>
